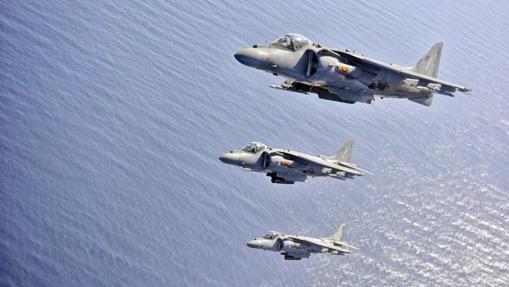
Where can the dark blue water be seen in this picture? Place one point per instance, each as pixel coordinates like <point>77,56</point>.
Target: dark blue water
<point>113,115</point>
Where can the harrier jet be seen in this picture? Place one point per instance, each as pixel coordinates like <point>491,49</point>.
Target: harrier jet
<point>296,247</point>
<point>345,76</point>
<point>287,166</point>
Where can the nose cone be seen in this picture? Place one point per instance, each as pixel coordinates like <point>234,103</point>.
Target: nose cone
<point>228,158</point>
<point>252,57</point>
<point>253,244</point>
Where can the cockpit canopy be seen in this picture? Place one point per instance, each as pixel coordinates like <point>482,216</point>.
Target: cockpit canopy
<point>271,235</point>
<point>254,147</point>
<point>291,41</point>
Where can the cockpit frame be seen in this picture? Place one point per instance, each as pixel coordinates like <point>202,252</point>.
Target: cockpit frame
<point>291,41</point>
<point>254,147</point>
<point>271,235</point>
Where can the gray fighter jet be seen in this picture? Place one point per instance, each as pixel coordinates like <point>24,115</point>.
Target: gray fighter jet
<point>296,247</point>
<point>345,76</point>
<point>287,166</point>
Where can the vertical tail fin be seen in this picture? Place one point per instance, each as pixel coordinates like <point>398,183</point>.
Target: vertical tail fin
<point>428,65</point>
<point>339,233</point>
<point>345,152</point>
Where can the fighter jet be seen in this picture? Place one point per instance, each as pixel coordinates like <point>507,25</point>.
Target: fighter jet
<point>287,166</point>
<point>296,247</point>
<point>346,76</point>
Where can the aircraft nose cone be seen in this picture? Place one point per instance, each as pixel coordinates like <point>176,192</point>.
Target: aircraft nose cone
<point>223,158</point>
<point>251,57</point>
<point>239,56</point>
<point>227,158</point>
<point>252,244</point>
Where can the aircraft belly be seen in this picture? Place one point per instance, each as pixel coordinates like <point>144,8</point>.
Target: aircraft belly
<point>330,77</point>
<point>315,249</point>
<point>289,174</point>
<point>293,176</point>
<point>399,93</point>
<point>316,170</point>
<point>278,169</point>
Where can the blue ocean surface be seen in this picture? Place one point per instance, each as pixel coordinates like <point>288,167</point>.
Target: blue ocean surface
<point>113,115</point>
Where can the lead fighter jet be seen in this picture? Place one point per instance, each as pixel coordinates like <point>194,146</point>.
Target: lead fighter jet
<point>296,247</point>
<point>344,76</point>
<point>287,166</point>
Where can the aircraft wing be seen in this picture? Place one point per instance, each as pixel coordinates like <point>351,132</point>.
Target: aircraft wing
<point>317,242</point>
<point>304,158</point>
<point>375,67</point>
